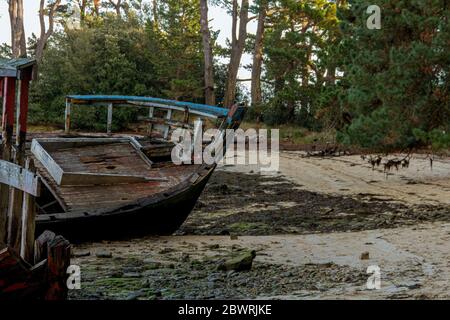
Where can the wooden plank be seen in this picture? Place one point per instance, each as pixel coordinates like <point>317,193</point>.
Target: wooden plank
<point>19,178</point>
<point>51,187</point>
<point>9,92</point>
<point>54,144</point>
<point>109,120</point>
<point>159,150</point>
<point>15,220</point>
<point>88,179</point>
<point>40,246</point>
<point>28,222</point>
<point>47,161</point>
<point>171,123</point>
<point>176,108</point>
<point>16,201</point>
<point>138,147</point>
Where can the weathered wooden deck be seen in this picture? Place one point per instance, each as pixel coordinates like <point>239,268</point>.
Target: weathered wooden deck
<point>114,158</point>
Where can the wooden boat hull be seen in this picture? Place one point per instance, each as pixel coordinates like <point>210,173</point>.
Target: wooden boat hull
<point>153,216</point>
<point>115,187</point>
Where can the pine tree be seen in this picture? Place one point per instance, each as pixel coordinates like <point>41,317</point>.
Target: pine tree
<point>397,77</point>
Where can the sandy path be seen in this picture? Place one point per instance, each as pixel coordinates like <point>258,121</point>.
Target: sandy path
<point>350,175</point>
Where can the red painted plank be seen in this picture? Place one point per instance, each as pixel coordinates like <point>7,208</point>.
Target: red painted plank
<point>9,90</point>
<point>24,88</point>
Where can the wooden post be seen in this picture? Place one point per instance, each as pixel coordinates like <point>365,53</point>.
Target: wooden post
<point>28,221</point>
<point>150,116</point>
<point>9,92</point>
<point>17,195</point>
<point>40,246</point>
<point>109,121</point>
<point>67,117</point>
<point>22,115</point>
<point>58,260</point>
<point>197,146</point>
<point>167,129</point>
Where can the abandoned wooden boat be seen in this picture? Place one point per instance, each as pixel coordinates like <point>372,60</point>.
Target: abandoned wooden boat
<point>110,186</point>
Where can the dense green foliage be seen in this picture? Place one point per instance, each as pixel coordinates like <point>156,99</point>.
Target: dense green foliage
<point>297,46</point>
<point>397,79</point>
<point>121,55</point>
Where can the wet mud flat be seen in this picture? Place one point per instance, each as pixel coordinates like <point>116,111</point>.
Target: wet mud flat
<point>253,204</point>
<point>191,270</point>
<point>313,235</point>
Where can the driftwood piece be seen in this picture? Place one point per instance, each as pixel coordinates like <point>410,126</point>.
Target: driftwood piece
<point>28,221</point>
<point>58,262</point>
<point>40,246</point>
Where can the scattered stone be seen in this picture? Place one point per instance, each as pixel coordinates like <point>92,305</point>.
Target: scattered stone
<point>146,284</point>
<point>103,254</point>
<point>81,254</point>
<point>223,189</point>
<point>185,257</point>
<point>214,246</point>
<point>233,237</point>
<point>231,273</point>
<point>136,295</point>
<point>200,205</point>
<point>151,264</point>
<point>365,256</point>
<point>242,262</point>
<point>166,251</point>
<point>132,275</point>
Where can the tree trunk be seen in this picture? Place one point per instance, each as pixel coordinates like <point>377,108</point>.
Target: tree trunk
<point>256,94</point>
<point>82,5</point>
<point>45,34</point>
<point>117,6</point>
<point>18,40</point>
<point>208,54</point>
<point>155,15</point>
<point>97,7</point>
<point>237,48</point>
